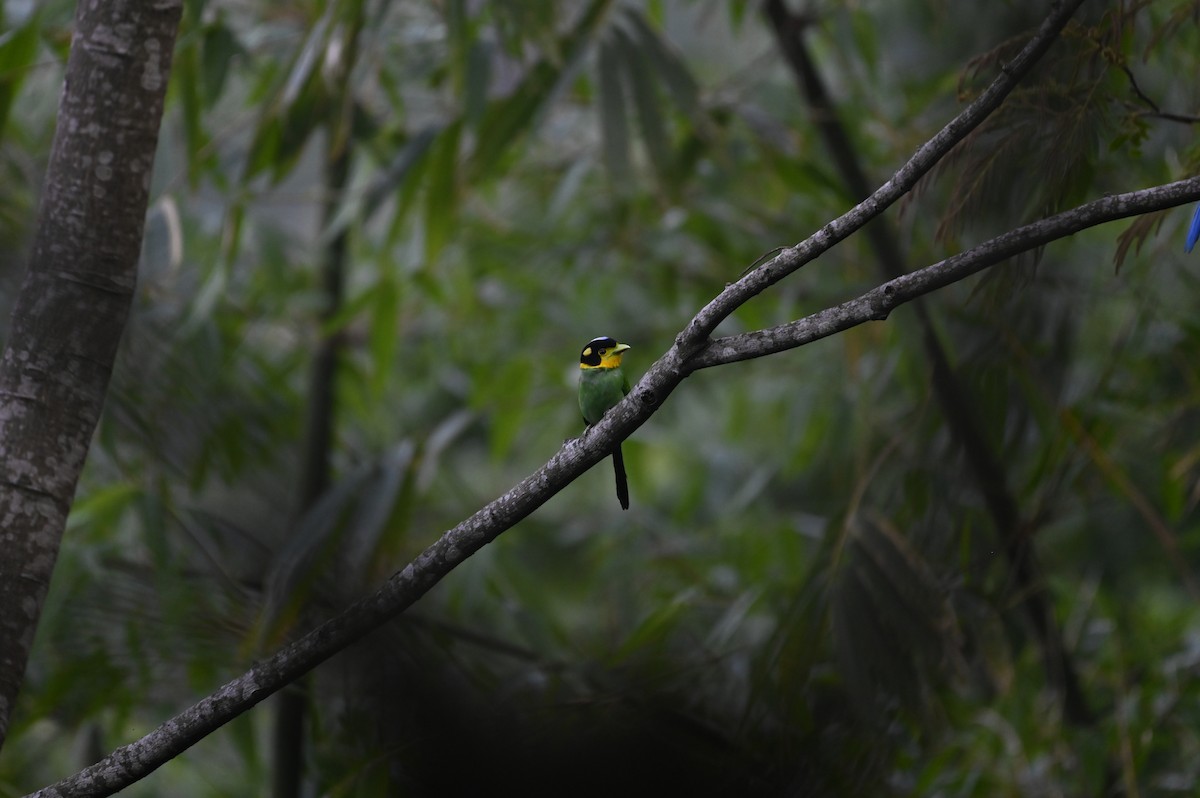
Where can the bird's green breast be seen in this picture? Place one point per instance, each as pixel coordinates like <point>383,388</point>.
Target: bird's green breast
<point>599,390</point>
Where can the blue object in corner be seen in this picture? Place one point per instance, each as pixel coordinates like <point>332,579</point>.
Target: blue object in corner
<point>1193,232</point>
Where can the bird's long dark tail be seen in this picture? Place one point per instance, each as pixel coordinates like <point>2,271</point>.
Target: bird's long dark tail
<point>622,484</point>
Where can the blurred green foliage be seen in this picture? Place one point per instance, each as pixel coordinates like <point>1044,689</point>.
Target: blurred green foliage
<point>807,596</point>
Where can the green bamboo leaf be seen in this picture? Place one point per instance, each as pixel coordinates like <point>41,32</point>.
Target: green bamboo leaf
<point>102,507</point>
<point>435,446</point>
<point>18,49</point>
<point>347,313</point>
<point>513,382</point>
<point>639,80</point>
<point>476,82</point>
<point>669,66</point>
<point>307,554</point>
<point>381,503</point>
<point>732,623</point>
<point>507,120</point>
<point>408,167</point>
<point>206,299</point>
<point>656,12</point>
<point>737,13</point>
<point>187,79</point>
<point>530,21</point>
<point>893,618</point>
<point>865,34</point>
<point>221,49</point>
<point>263,147</point>
<point>152,513</point>
<point>458,36</point>
<point>655,629</point>
<point>986,644</point>
<point>307,62</point>
<point>441,197</point>
<point>403,174</point>
<point>384,337</point>
<point>894,593</point>
<point>614,122</point>
<point>281,137</point>
<point>905,570</point>
<point>298,108</point>
<point>567,190</point>
<point>858,637</point>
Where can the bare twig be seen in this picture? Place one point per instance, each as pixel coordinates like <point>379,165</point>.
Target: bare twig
<point>1155,112</point>
<point>924,159</point>
<point>876,304</point>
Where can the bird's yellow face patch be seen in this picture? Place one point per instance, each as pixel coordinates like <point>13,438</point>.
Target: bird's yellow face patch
<point>602,353</point>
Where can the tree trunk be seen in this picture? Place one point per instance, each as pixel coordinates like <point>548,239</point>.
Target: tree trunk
<point>72,308</point>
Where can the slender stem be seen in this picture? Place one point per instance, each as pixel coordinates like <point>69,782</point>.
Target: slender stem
<point>925,158</point>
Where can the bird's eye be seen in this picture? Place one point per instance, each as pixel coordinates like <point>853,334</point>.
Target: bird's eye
<point>603,351</point>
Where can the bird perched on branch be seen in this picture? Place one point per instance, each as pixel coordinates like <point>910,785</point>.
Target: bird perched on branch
<point>1193,231</point>
<point>602,384</point>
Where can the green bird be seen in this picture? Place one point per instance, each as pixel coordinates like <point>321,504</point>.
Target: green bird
<point>601,385</point>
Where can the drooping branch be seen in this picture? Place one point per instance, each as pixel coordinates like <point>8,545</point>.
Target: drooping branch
<point>135,760</point>
<point>876,304</point>
<point>905,178</point>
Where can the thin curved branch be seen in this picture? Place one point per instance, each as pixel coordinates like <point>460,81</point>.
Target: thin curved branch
<point>1155,112</point>
<point>876,304</point>
<point>134,761</point>
<point>924,159</point>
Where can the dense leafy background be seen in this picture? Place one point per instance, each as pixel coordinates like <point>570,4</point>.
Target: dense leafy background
<point>808,593</point>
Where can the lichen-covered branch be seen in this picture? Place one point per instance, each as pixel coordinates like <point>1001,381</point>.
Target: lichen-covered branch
<point>72,308</point>
<point>876,304</point>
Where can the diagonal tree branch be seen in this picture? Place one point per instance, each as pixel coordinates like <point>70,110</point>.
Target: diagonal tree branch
<point>135,760</point>
<point>924,159</point>
<point>879,302</point>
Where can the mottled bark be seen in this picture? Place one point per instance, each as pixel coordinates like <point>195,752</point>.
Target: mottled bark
<point>73,305</point>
